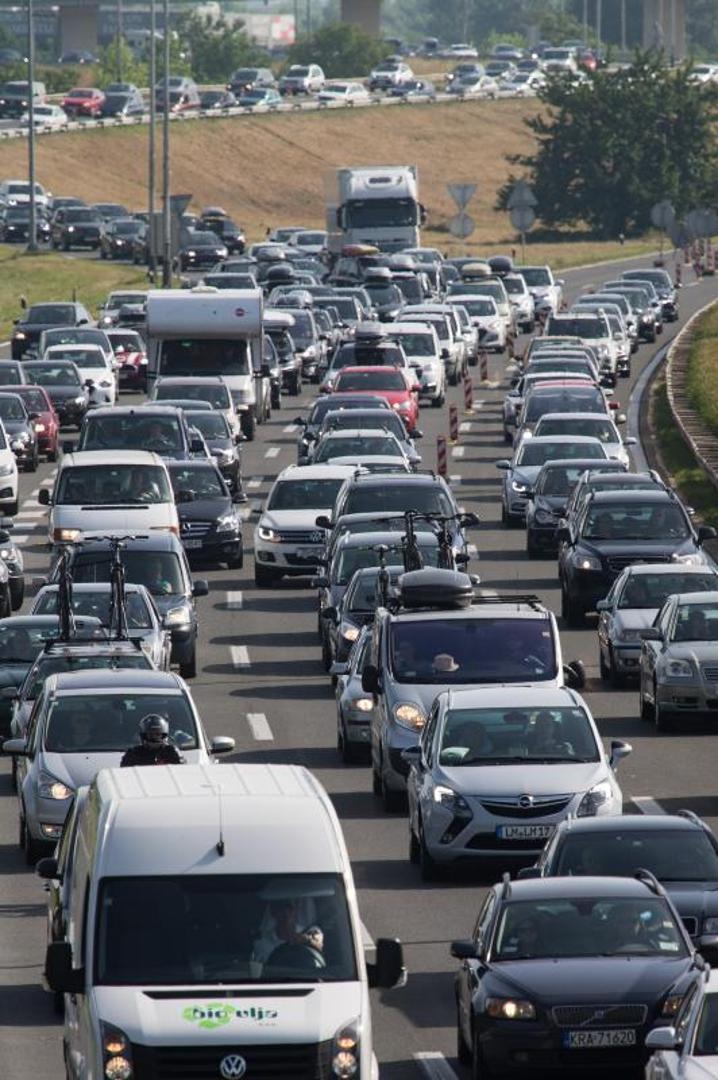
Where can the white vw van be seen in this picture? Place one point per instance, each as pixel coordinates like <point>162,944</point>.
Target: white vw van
<point>213,928</point>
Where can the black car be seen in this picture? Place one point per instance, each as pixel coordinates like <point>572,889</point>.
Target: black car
<point>549,495</point>
<point>213,100</point>
<point>601,479</point>
<point>64,387</point>
<point>15,225</point>
<point>61,202</point>
<point>228,232</point>
<point>22,639</point>
<point>309,426</point>
<point>567,975</point>
<point>108,211</point>
<point>615,529</point>
<point>210,528</point>
<point>250,78</point>
<point>75,226</point>
<point>679,849</point>
<point>159,563</point>
<point>123,103</point>
<point>201,249</point>
<point>224,447</point>
<point>20,430</point>
<point>41,317</point>
<point>117,236</point>
<point>413,88</point>
<point>14,98</point>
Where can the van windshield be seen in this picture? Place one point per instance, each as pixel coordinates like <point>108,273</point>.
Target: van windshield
<point>133,431</point>
<point>210,356</point>
<point>223,928</point>
<point>108,485</point>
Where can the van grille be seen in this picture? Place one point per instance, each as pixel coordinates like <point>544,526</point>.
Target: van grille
<point>291,1061</point>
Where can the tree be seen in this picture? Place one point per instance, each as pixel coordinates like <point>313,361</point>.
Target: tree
<point>610,147</point>
<point>107,69</point>
<point>217,47</point>
<point>340,49</point>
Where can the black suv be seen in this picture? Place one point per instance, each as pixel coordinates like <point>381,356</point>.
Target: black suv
<point>39,317</point>
<point>75,226</point>
<point>615,529</point>
<point>426,493</point>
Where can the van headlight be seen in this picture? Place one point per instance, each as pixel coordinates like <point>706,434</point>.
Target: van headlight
<point>409,715</point>
<point>117,1053</point>
<point>345,1051</point>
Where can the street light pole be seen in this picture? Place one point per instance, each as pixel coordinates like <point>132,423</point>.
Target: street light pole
<point>120,29</point>
<point>151,182</point>
<point>32,241</point>
<point>166,220</point>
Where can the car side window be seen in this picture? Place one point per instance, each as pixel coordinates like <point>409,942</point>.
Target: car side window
<point>483,922</point>
<point>34,723</point>
<point>686,1013</point>
<point>427,738</point>
<point>664,619</point>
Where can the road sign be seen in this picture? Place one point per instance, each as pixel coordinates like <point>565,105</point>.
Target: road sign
<point>462,226</point>
<point>462,194</point>
<point>663,215</point>
<point>522,218</point>
<point>521,195</point>
<point>178,204</point>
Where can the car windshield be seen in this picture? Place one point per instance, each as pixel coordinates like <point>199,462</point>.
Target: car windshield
<point>600,926</point>
<point>670,854</point>
<point>203,482</point>
<point>9,375</point>
<point>383,292</point>
<point>84,358</point>
<point>506,736</point>
<point>652,521</point>
<point>76,335</point>
<point>53,374</point>
<point>215,356</point>
<point>55,665</point>
<point>417,344</point>
<point>97,604</point>
<point>295,494</point>
<point>81,216</point>
<point>538,367</point>
<point>707,1031</point>
<point>109,485</point>
<point>211,425</point>
<point>367,355</point>
<point>558,480</point>
<point>126,342</point>
<point>371,380</point>
<point>117,299</point>
<point>268,928</point>
<point>103,723</point>
<point>582,327</point>
<point>573,399</point>
<point>11,408</point>
<point>651,590</point>
<point>480,308</point>
<point>51,313</point>
<point>399,497</point>
<point>359,446</point>
<point>128,228</point>
<point>159,571</point>
<point>133,431</point>
<point>696,622</point>
<point>35,400</point>
<point>486,650</point>
<point>536,453</point>
<point>356,558</point>
<point>362,594</point>
<point>593,427</point>
<point>21,643</point>
<point>535,276</point>
<point>386,420</point>
<point>217,394</point>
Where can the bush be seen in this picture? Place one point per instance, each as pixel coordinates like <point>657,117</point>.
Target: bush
<point>341,50</point>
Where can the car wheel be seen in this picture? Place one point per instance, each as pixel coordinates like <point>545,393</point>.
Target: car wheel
<point>33,462</point>
<point>532,549</point>
<point>603,667</point>
<point>237,562</point>
<point>644,706</point>
<point>454,377</point>
<point>248,424</point>
<point>188,669</point>
<point>264,578</point>
<point>393,801</point>
<point>662,718</point>
<point>376,786</point>
<point>6,604</point>
<point>348,752</point>
<point>296,386</point>
<point>427,865</point>
<point>413,847</point>
<point>52,455</point>
<point>31,848</point>
<point>326,653</point>
<point>573,614</point>
<point>617,679</point>
<point>276,399</point>
<point>18,595</point>
<point>103,253</point>
<point>11,510</point>
<point>479,1068</point>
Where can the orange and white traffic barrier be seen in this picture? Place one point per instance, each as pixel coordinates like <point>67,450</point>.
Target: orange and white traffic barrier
<point>453,423</point>
<point>483,365</point>
<point>678,276</point>
<point>442,466</point>
<point>468,394</point>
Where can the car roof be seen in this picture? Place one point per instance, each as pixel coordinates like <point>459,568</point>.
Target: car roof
<point>564,463</point>
<point>189,380</point>
<point>568,440</point>
<point>91,586</point>
<point>601,474</point>
<point>560,888</point>
<point>29,620</point>
<point>356,432</point>
<point>147,408</point>
<point>111,457</point>
<point>633,822</point>
<point>514,697</point>
<point>425,479</point>
<point>625,498</point>
<point>119,679</point>
<point>582,416</point>
<point>698,598</point>
<point>637,569</point>
<point>316,472</point>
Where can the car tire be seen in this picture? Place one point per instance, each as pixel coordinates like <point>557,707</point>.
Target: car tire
<point>264,578</point>
<point>248,424</point>
<point>295,388</point>
<point>532,549</point>
<point>33,463</point>
<point>479,1068</point>
<point>454,377</point>
<point>603,668</point>
<point>413,847</point>
<point>32,849</point>
<point>237,562</point>
<point>17,599</point>
<point>376,786</point>
<point>617,679</point>
<point>103,253</point>
<point>276,399</point>
<point>574,615</point>
<point>188,669</point>
<point>392,801</point>
<point>326,654</point>
<point>51,455</point>
<point>347,751</point>
<point>427,865</point>
<point>11,510</point>
<point>645,707</point>
<point>662,719</point>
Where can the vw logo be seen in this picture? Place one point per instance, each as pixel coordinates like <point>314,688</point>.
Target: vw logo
<point>317,537</point>
<point>525,801</point>
<point>240,313</point>
<point>232,1067</point>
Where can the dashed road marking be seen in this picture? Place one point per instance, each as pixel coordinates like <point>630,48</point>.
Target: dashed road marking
<point>259,726</point>
<point>290,428</point>
<point>472,550</point>
<point>458,451</point>
<point>434,1065</point>
<point>20,540</point>
<point>454,479</point>
<point>240,656</point>
<point>235,600</point>
<point>465,426</point>
<point>647,804</point>
<point>273,451</point>
<point>254,484</point>
<point>33,495</point>
<point>31,513</point>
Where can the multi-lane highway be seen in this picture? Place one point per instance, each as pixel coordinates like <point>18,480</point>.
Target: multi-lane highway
<point>261,681</point>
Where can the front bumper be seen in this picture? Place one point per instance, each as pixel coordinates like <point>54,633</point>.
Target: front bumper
<point>690,695</point>
<point>510,1047</point>
<point>543,535</point>
<point>298,559</point>
<point>212,545</point>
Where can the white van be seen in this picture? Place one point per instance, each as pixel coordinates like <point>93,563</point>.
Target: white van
<point>213,927</point>
<point>101,492</point>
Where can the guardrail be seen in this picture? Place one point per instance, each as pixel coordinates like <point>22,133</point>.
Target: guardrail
<point>696,434</point>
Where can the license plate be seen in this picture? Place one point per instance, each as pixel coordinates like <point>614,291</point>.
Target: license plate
<point>307,553</point>
<point>192,543</point>
<point>598,1040</point>
<point>524,832</point>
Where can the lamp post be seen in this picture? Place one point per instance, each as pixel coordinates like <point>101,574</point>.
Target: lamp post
<point>166,218</point>
<point>151,183</point>
<point>32,241</point>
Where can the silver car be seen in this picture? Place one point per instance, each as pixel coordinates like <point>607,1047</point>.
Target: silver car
<point>354,707</point>
<point>499,767</point>
<point>631,607</point>
<point>679,660</point>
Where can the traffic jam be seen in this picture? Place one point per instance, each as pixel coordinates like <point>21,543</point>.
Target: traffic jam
<point>273,462</point>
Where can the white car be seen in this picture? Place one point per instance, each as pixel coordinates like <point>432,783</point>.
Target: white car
<point>486,317</point>
<point>498,767</point>
<point>460,50</point>
<point>8,475</point>
<point>423,351</point>
<point>560,61</point>
<point>593,329</point>
<point>287,539</point>
<point>48,117</point>
<point>521,301</point>
<point>593,425</point>
<point>17,193</point>
<point>688,1048</point>
<point>475,86</point>
<point>546,290</point>
<point>93,365</point>
<point>703,73</point>
<point>343,93</point>
<point>309,241</point>
<point>523,84</point>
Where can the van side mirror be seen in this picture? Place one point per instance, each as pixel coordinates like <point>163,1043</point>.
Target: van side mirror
<point>43,497</point>
<point>619,750</point>
<point>575,675</point>
<point>200,587</point>
<point>61,977</point>
<point>47,869</point>
<point>370,679</point>
<point>323,522</point>
<point>388,969</point>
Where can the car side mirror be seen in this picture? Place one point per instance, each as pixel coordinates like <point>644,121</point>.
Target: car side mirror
<point>650,633</point>
<point>61,977</point>
<point>47,869</point>
<point>662,1038</point>
<point>15,747</point>
<point>416,434</point>
<point>445,354</point>
<point>415,387</point>
<point>630,441</point>
<point>200,587</point>
<point>338,668</point>
<point>222,744</point>
<point>370,679</point>
<point>529,872</point>
<point>323,522</point>
<point>329,614</point>
<point>619,750</point>
<point>320,582</point>
<point>388,969</point>
<point>43,497</point>
<point>504,464</point>
<point>620,419</point>
<point>575,675</point>
<point>603,605</point>
<point>706,532</point>
<point>464,950</point>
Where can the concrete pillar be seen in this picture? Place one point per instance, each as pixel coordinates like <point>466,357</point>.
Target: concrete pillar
<point>78,26</point>
<point>363,13</point>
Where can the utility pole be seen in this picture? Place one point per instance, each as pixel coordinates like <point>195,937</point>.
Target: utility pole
<point>151,183</point>
<point>120,33</point>
<point>585,22</point>
<point>32,240</point>
<point>166,216</point>
<point>599,19</point>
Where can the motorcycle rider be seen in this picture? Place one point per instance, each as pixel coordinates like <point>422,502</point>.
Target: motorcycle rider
<point>155,747</point>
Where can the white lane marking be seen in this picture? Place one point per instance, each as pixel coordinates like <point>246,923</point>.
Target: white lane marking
<point>234,601</point>
<point>254,484</point>
<point>22,539</point>
<point>259,726</point>
<point>479,405</point>
<point>488,592</point>
<point>458,451</point>
<point>434,1065</point>
<point>273,451</point>
<point>33,495</point>
<point>366,939</point>
<point>290,428</point>
<point>31,513</point>
<point>647,805</point>
<point>465,425</point>
<point>240,656</point>
<point>454,479</point>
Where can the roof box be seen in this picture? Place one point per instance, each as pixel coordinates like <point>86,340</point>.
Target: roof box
<point>435,588</point>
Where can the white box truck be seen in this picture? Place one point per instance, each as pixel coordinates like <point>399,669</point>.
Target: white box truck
<point>375,204</point>
<point>212,929</point>
<point>208,331</point>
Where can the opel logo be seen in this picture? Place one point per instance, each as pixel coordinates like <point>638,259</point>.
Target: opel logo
<point>525,801</point>
<point>232,1067</point>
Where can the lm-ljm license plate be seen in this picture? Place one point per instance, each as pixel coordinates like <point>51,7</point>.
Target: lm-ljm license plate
<point>524,832</point>
<point>599,1040</point>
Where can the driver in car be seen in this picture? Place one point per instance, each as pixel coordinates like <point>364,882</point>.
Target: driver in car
<point>282,928</point>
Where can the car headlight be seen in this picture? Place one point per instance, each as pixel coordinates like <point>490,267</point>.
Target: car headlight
<point>362,704</point>
<point>586,562</point>
<point>678,669</point>
<point>66,536</point>
<point>70,228</point>
<point>20,335</point>
<point>594,799</point>
<point>223,457</point>
<point>409,715</point>
<point>7,470</point>
<point>349,632</point>
<point>267,534</point>
<point>603,352</point>
<point>516,485</point>
<point>402,405</point>
<point>710,926</point>
<point>672,1004</point>
<point>310,352</point>
<point>50,787</point>
<point>191,254</point>
<point>447,797</point>
<point>178,616</point>
<point>117,1052</point>
<point>227,523</point>
<point>647,318</point>
<point>345,1051</point>
<point>510,1009</point>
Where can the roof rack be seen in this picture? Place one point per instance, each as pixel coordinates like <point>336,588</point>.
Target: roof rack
<point>650,880</point>
<point>691,816</point>
<point>511,598</point>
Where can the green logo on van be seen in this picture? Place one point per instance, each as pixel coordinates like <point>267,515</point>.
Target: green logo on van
<point>218,1014</point>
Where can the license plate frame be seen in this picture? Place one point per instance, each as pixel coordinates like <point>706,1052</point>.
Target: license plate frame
<point>193,543</point>
<point>604,1039</point>
<point>308,554</point>
<point>524,832</point>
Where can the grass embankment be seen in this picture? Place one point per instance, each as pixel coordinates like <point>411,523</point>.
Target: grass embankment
<point>702,374</point>
<point>685,473</point>
<point>54,277</point>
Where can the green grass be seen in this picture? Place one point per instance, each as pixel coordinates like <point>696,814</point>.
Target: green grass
<point>702,375</point>
<point>689,478</point>
<point>52,276</point>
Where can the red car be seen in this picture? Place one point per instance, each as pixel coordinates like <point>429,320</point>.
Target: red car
<point>83,101</point>
<point>130,357</point>
<point>44,417</point>
<point>387,382</point>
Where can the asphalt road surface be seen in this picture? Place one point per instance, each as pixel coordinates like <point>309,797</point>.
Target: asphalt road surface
<point>260,680</point>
